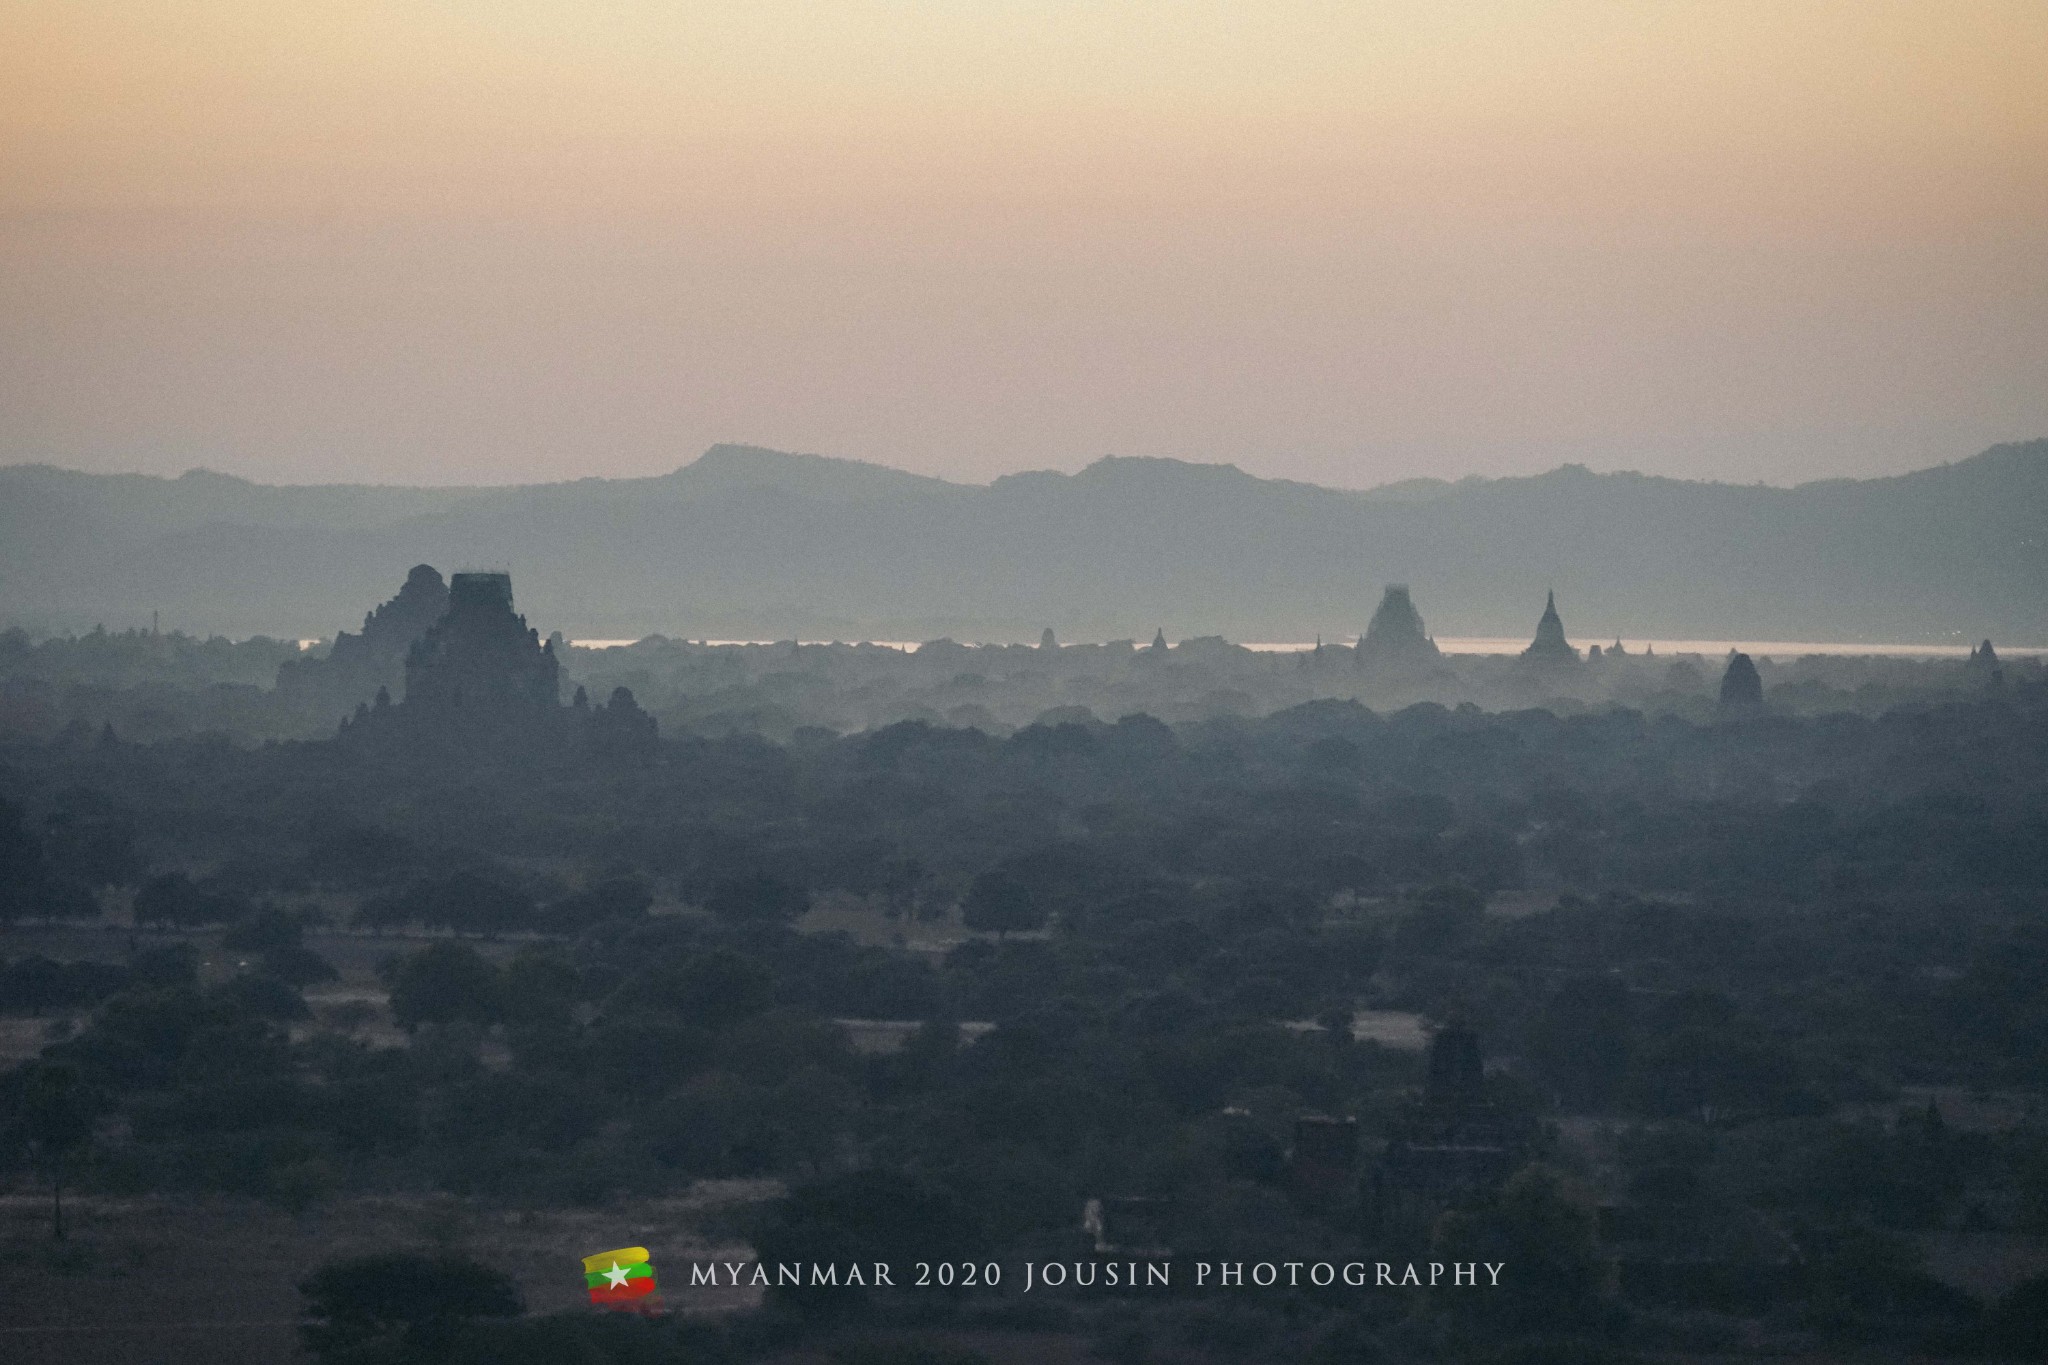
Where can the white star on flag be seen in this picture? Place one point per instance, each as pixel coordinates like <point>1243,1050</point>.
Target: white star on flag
<point>617,1275</point>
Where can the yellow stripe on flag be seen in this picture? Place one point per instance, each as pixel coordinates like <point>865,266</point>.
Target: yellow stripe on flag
<point>625,1256</point>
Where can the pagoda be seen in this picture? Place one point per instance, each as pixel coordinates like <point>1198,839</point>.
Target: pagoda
<point>1396,636</point>
<point>1550,646</point>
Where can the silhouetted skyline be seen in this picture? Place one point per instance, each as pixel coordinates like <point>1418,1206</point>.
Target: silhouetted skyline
<point>745,543</point>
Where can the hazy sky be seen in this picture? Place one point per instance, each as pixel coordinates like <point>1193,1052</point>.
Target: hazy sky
<point>498,240</point>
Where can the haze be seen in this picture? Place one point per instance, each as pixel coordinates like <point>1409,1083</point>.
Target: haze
<point>464,242</point>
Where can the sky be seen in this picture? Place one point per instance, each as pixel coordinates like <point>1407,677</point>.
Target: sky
<point>491,241</point>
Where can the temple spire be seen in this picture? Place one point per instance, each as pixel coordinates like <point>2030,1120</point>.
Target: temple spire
<point>1550,645</point>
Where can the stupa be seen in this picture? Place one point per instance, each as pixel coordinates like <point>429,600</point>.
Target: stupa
<point>1742,688</point>
<point>1550,646</point>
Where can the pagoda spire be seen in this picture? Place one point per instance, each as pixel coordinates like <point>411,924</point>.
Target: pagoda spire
<point>1550,645</point>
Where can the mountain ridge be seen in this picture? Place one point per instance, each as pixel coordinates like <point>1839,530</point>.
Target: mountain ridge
<point>729,455</point>
<point>750,541</point>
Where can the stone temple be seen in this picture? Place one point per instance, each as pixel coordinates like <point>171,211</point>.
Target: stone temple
<point>479,676</point>
<point>359,666</point>
<point>1396,636</point>
<point>1742,687</point>
<point>481,656</point>
<point>1550,646</point>
<point>1983,666</point>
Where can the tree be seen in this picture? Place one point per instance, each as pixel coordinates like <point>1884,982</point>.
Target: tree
<point>902,882</point>
<point>413,1303</point>
<point>443,983</point>
<point>1001,901</point>
<point>172,898</point>
<point>379,913</point>
<point>540,988</point>
<point>21,863</point>
<point>1703,1058</point>
<point>166,967</point>
<point>65,898</point>
<point>1582,1038</point>
<point>711,989</point>
<point>1546,1232</point>
<point>614,898</point>
<point>2019,1322</point>
<point>96,849</point>
<point>468,903</point>
<point>1443,920</point>
<point>297,965</point>
<point>37,985</point>
<point>266,929</point>
<point>264,996</point>
<point>865,1217</point>
<point>757,898</point>
<point>645,1054</point>
<point>58,1110</point>
<point>296,1186</point>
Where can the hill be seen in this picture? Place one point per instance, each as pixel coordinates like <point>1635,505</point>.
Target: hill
<point>752,543</point>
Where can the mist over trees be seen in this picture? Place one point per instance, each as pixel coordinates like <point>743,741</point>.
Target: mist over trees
<point>149,686</point>
<point>1703,993</point>
<point>1707,995</point>
<point>754,544</point>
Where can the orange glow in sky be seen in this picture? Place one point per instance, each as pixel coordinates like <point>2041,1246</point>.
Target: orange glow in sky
<point>457,241</point>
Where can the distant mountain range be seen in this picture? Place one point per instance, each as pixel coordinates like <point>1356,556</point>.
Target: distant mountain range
<point>751,543</point>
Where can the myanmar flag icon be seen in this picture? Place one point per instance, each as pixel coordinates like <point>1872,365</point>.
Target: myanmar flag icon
<point>620,1279</point>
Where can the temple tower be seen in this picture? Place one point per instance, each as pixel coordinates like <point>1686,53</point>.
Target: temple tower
<point>1742,687</point>
<point>481,656</point>
<point>1396,634</point>
<point>1550,646</point>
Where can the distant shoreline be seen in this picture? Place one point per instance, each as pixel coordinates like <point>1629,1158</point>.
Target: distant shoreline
<point>1504,645</point>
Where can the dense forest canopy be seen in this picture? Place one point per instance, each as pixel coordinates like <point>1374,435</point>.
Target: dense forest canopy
<point>1709,995</point>
<point>1114,961</point>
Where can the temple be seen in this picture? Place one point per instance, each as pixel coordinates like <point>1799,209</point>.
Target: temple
<point>480,675</point>
<point>481,655</point>
<point>1742,688</point>
<point>356,667</point>
<point>1396,637</point>
<point>1454,1141</point>
<point>1983,666</point>
<point>1550,646</point>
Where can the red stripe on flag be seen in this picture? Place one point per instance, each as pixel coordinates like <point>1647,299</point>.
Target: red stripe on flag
<point>638,1288</point>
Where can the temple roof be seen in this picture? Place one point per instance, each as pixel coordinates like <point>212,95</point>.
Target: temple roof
<point>1550,645</point>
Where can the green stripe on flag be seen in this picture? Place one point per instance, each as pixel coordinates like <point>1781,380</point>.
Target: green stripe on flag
<point>602,1279</point>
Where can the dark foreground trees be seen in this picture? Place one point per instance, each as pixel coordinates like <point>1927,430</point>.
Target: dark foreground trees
<point>1756,952</point>
<point>57,1115</point>
<point>396,1307</point>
